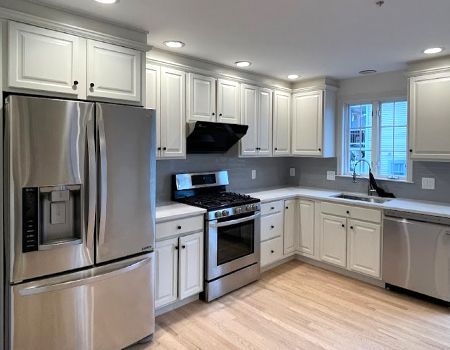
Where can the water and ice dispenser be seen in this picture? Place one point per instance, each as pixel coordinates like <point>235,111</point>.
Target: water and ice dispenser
<point>51,217</point>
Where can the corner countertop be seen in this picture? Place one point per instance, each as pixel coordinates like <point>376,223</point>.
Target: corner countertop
<point>406,205</point>
<point>173,211</point>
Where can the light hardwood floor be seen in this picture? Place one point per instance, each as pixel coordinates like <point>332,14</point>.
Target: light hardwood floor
<point>298,306</point>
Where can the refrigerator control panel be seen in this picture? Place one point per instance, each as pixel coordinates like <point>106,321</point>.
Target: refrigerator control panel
<point>30,219</point>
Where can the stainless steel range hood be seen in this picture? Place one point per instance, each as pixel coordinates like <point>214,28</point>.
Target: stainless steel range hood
<point>208,137</point>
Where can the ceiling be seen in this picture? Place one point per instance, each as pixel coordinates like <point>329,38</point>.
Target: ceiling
<point>312,38</point>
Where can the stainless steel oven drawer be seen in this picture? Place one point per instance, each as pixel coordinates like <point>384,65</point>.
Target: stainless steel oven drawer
<point>103,308</point>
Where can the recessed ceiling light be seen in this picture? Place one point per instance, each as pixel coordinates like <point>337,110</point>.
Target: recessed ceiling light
<point>367,71</point>
<point>174,44</point>
<point>242,64</point>
<point>433,50</point>
<point>107,1</point>
<point>293,76</point>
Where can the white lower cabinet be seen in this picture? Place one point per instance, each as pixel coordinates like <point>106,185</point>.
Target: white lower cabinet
<point>166,274</point>
<point>306,230</point>
<point>333,240</point>
<point>271,251</point>
<point>364,248</point>
<point>179,268</point>
<point>290,227</point>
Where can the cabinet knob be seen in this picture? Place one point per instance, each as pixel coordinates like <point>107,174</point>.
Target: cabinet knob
<point>343,225</point>
<point>176,247</point>
<point>276,149</point>
<point>287,207</point>
<point>351,227</point>
<point>164,148</point>
<point>183,247</point>
<point>213,113</point>
<point>91,85</point>
<point>272,208</point>
<point>320,149</point>
<point>179,227</point>
<point>159,148</point>
<point>220,114</point>
<point>348,212</point>
<point>410,150</point>
<point>272,227</point>
<point>272,251</point>
<point>75,82</point>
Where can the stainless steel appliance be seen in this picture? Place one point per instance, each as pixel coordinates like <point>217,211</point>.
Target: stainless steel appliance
<point>79,223</point>
<point>232,231</point>
<point>416,253</point>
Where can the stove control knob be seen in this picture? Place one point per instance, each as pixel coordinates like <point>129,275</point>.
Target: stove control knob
<point>218,214</point>
<point>238,210</point>
<point>225,212</point>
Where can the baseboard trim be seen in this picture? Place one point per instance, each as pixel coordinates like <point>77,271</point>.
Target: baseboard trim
<point>176,305</point>
<point>278,263</point>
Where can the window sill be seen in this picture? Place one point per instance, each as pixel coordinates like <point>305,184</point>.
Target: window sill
<point>379,179</point>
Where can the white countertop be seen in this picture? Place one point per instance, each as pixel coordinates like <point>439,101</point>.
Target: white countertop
<point>173,211</point>
<point>408,205</point>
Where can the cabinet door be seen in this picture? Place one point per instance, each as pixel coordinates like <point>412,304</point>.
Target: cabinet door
<point>249,108</point>
<point>306,232</point>
<point>201,98</point>
<point>191,265</point>
<point>307,124</point>
<point>429,104</point>
<point>290,227</point>
<point>281,124</point>
<point>228,107</point>
<point>153,99</point>
<point>173,97</point>
<point>113,72</point>
<point>365,248</point>
<point>166,272</point>
<point>333,240</point>
<point>41,59</point>
<point>264,122</point>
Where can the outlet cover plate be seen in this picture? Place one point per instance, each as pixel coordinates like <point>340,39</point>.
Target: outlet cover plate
<point>253,174</point>
<point>331,175</point>
<point>428,183</point>
<point>292,171</point>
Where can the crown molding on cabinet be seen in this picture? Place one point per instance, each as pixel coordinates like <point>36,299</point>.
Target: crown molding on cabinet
<point>428,66</point>
<point>321,83</point>
<point>13,15</point>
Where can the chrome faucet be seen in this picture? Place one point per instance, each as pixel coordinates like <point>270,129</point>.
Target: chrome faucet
<point>370,190</point>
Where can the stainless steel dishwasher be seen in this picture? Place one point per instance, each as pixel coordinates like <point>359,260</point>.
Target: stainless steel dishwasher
<point>416,253</point>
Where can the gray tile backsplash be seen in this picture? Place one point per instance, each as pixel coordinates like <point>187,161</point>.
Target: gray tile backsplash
<point>312,172</point>
<point>270,172</point>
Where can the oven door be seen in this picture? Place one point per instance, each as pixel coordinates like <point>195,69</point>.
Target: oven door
<point>232,244</point>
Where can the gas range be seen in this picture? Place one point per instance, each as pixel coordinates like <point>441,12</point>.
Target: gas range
<point>223,204</point>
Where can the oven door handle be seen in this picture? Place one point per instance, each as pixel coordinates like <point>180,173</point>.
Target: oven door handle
<point>234,222</point>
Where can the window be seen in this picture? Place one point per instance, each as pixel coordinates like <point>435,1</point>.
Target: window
<point>376,133</point>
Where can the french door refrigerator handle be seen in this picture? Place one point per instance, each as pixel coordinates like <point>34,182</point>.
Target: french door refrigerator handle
<point>92,190</point>
<point>103,177</point>
<point>96,277</point>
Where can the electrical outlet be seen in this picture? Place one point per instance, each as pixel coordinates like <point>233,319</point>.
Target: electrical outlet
<point>428,183</point>
<point>253,174</point>
<point>331,175</point>
<point>292,171</point>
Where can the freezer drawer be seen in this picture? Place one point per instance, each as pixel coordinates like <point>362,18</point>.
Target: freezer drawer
<point>104,308</point>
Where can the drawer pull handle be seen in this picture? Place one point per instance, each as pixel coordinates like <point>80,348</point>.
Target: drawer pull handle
<point>272,208</point>
<point>272,251</point>
<point>179,227</point>
<point>348,212</point>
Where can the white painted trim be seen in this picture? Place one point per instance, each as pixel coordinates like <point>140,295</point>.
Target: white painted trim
<point>26,18</point>
<point>176,305</point>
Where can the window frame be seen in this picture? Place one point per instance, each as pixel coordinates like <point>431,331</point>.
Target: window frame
<point>376,130</point>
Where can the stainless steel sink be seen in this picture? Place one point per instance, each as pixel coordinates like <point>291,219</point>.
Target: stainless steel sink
<point>362,198</point>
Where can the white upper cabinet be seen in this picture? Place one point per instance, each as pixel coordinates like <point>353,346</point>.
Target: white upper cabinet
<point>429,106</point>
<point>313,124</point>
<point>249,108</point>
<point>365,248</point>
<point>153,98</point>
<point>228,105</point>
<point>113,71</point>
<point>45,60</point>
<point>201,98</point>
<point>256,112</point>
<point>281,123</point>
<point>173,101</point>
<point>264,122</point>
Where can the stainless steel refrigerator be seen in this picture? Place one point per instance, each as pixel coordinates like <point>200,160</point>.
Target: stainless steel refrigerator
<point>79,223</point>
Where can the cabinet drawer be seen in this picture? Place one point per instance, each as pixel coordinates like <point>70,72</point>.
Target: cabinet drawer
<point>271,207</point>
<point>271,226</point>
<point>354,212</point>
<point>271,251</point>
<point>180,226</point>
